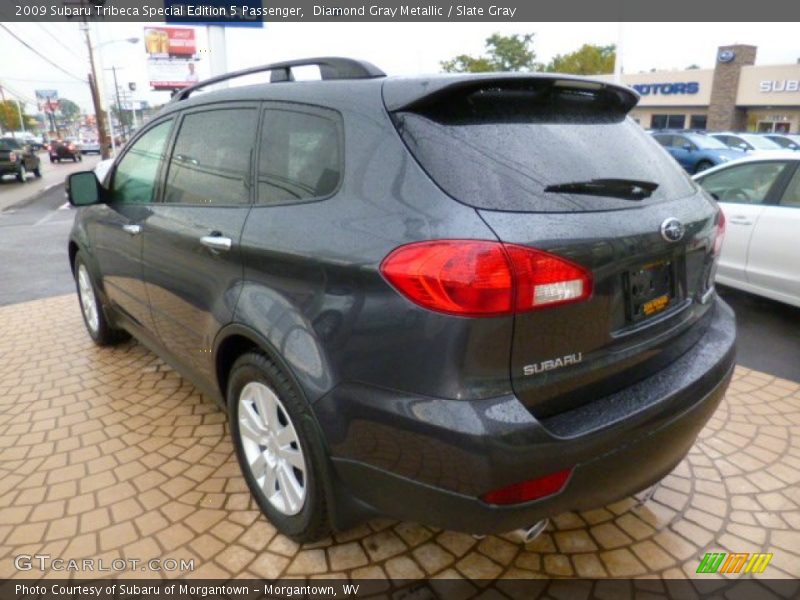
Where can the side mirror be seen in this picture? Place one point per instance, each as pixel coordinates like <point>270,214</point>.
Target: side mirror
<point>688,147</point>
<point>83,189</point>
<point>742,147</point>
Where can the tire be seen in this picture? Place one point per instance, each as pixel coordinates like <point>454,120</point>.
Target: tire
<point>703,165</point>
<point>22,173</point>
<point>74,158</point>
<point>255,381</point>
<point>94,316</point>
<point>80,157</point>
<point>37,172</point>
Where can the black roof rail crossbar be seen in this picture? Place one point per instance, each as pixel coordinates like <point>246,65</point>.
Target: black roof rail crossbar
<point>331,67</point>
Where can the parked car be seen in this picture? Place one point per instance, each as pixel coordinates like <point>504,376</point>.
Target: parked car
<point>17,158</point>
<point>695,152</point>
<point>430,298</point>
<point>90,146</point>
<point>65,149</point>
<point>789,141</point>
<point>747,142</point>
<point>761,201</point>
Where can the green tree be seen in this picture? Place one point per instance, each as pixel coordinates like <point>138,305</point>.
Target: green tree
<point>589,59</point>
<point>9,116</point>
<point>503,53</point>
<point>69,109</point>
<point>692,67</point>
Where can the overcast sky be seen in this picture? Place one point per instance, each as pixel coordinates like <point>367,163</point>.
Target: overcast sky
<point>397,48</point>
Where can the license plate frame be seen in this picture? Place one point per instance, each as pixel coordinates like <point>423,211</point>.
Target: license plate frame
<point>649,290</point>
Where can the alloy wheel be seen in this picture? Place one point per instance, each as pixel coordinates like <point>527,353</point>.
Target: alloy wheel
<point>88,299</point>
<point>272,448</point>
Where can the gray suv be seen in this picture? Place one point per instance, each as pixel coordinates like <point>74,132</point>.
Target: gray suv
<point>470,301</point>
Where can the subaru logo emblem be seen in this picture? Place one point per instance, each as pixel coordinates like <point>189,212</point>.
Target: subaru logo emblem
<point>672,230</point>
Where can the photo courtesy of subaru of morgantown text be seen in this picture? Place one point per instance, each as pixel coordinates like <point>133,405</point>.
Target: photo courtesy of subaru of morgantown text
<point>471,301</point>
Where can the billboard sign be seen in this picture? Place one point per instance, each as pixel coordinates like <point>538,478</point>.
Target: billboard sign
<point>171,57</point>
<point>47,100</point>
<point>163,42</point>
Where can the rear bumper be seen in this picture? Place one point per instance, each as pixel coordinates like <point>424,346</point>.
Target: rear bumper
<point>429,460</point>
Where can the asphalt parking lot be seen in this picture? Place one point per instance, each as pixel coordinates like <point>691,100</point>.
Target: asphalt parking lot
<point>108,453</point>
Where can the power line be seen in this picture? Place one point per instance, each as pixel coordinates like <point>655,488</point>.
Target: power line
<point>59,42</point>
<point>34,80</point>
<point>17,94</point>
<point>42,56</point>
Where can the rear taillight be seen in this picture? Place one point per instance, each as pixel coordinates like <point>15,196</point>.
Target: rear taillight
<point>532,489</point>
<point>719,235</point>
<point>475,278</point>
<point>71,146</point>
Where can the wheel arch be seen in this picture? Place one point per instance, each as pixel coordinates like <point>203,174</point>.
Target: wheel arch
<point>236,339</point>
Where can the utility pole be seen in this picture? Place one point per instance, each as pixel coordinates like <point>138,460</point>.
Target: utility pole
<point>119,104</point>
<point>98,107</point>
<point>21,120</point>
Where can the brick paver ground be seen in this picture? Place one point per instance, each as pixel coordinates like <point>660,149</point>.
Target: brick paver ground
<point>108,453</point>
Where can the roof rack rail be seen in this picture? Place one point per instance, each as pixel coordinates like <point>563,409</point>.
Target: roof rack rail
<point>330,67</point>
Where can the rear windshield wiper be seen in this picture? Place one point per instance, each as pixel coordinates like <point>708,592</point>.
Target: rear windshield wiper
<point>626,189</point>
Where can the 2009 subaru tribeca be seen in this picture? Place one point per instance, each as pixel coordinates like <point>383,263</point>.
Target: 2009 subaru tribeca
<point>470,301</point>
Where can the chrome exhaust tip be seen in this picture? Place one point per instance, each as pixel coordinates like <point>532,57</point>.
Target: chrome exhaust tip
<point>526,535</point>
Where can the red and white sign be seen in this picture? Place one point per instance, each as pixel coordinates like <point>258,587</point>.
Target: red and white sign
<point>171,57</point>
<point>170,41</point>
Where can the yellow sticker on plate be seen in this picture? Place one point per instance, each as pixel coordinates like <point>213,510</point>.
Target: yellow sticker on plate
<point>655,305</point>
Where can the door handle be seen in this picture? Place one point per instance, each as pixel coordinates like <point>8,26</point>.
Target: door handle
<point>132,229</point>
<point>216,242</point>
<point>740,221</point>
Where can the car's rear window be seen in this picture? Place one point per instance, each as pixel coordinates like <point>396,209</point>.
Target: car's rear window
<point>501,151</point>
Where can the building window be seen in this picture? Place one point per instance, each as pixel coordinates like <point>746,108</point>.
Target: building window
<point>697,122</point>
<point>667,121</point>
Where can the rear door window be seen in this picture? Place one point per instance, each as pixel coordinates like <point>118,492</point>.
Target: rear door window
<point>516,151</point>
<point>300,155</point>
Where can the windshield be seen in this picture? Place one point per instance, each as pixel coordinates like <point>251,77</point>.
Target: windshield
<point>761,143</point>
<point>708,143</point>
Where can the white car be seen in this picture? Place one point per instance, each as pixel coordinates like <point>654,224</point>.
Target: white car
<point>90,145</point>
<point>747,142</point>
<point>760,198</point>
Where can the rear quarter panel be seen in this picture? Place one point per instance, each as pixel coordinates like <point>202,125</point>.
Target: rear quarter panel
<point>313,287</point>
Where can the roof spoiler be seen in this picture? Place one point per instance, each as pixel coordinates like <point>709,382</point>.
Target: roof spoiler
<point>330,67</point>
<point>417,94</point>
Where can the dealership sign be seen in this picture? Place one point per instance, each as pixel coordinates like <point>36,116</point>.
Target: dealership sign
<point>779,85</point>
<point>667,89</point>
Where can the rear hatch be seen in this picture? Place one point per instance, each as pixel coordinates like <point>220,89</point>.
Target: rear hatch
<point>555,164</point>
